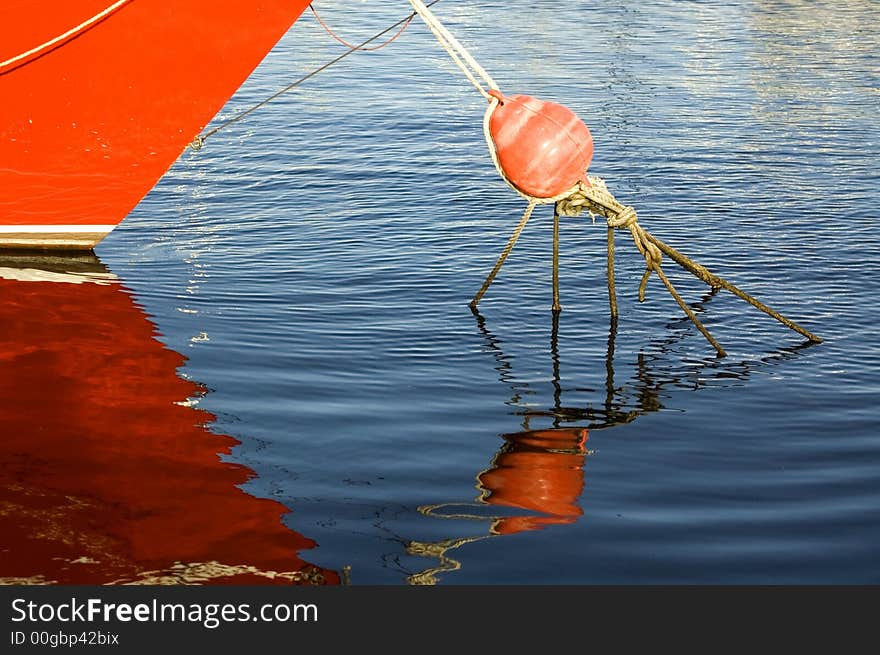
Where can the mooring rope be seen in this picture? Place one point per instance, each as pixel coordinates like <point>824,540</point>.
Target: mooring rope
<point>510,244</point>
<point>618,216</point>
<point>596,198</point>
<point>472,69</point>
<point>199,141</point>
<point>33,53</point>
<point>460,55</point>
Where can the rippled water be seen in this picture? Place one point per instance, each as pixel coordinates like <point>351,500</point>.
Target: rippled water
<point>314,262</point>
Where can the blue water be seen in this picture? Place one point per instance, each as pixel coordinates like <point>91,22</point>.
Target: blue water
<point>314,264</point>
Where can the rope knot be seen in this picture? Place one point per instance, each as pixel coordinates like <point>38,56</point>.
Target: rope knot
<point>573,205</point>
<point>625,218</point>
<point>197,143</point>
<point>653,256</point>
<point>651,253</point>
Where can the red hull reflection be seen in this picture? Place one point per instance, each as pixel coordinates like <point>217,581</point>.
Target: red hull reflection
<point>106,474</point>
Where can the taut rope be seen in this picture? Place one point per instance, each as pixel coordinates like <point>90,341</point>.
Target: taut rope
<point>199,140</point>
<point>456,50</point>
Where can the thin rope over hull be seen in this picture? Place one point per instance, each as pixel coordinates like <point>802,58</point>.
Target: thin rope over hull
<point>90,123</point>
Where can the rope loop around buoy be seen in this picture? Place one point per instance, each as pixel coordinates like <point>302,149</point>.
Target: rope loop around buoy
<point>563,200</point>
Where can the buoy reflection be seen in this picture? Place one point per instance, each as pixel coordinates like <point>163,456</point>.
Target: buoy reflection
<point>536,479</point>
<point>539,471</point>
<point>537,474</point>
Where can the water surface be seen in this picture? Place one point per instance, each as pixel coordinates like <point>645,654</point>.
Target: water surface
<point>314,262</point>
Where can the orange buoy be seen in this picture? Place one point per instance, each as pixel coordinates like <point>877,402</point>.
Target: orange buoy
<point>543,148</point>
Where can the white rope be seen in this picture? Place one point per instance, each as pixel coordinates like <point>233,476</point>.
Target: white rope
<point>472,69</point>
<point>82,27</point>
<point>456,50</point>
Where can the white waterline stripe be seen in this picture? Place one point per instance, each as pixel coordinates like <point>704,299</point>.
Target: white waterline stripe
<point>53,229</point>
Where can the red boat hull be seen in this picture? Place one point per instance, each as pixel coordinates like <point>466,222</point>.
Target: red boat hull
<point>88,126</point>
